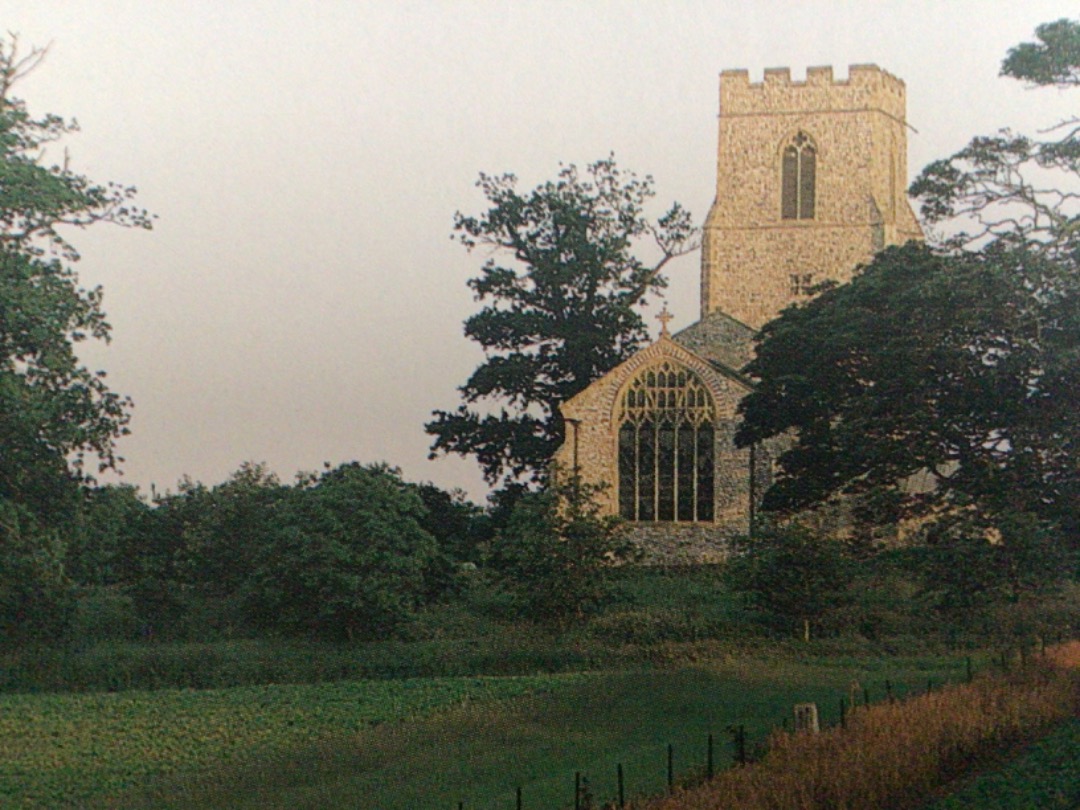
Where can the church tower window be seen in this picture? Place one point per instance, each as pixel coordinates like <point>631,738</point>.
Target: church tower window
<point>666,434</point>
<point>802,283</point>
<point>798,178</point>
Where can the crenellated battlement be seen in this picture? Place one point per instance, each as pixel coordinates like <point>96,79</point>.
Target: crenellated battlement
<point>867,87</point>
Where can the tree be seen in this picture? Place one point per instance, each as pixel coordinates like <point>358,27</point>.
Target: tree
<point>346,556</point>
<point>947,367</point>
<point>561,311</point>
<point>226,530</point>
<point>53,410</point>
<point>1012,187</point>
<point>792,575</point>
<point>556,552</point>
<point>55,413</point>
<point>960,363</point>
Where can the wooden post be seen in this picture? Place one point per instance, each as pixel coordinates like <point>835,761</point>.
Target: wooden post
<point>577,790</point>
<point>671,767</point>
<point>519,798</point>
<point>709,758</point>
<point>622,790</point>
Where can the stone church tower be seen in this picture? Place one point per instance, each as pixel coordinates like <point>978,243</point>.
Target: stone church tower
<point>811,180</point>
<point>810,183</point>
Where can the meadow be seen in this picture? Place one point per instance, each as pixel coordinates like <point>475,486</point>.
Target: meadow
<point>415,743</point>
<point>467,708</point>
<point>1045,775</point>
<point>75,750</point>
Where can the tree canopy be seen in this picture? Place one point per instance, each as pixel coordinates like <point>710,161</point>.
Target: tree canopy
<point>54,412</point>
<point>957,364</point>
<point>955,368</point>
<point>561,293</point>
<point>57,417</point>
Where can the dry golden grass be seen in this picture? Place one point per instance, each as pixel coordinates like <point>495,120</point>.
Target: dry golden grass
<point>894,755</point>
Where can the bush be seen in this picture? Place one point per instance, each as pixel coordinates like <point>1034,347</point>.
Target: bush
<point>103,614</point>
<point>555,555</point>
<point>793,576</point>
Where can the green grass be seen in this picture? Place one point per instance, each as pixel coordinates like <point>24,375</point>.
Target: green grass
<point>70,750</point>
<point>1045,776</point>
<point>481,753</point>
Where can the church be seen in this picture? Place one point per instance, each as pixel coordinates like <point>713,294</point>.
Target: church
<point>810,183</point>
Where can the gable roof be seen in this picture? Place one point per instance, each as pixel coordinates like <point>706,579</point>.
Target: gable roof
<point>725,342</point>
<point>607,387</point>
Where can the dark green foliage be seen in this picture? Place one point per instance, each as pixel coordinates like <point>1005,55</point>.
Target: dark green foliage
<point>559,313</point>
<point>57,417</point>
<point>36,597</point>
<point>794,576</point>
<point>968,570</point>
<point>453,520</point>
<point>556,553</point>
<point>961,368</point>
<point>108,536</point>
<point>345,556</point>
<point>1054,60</point>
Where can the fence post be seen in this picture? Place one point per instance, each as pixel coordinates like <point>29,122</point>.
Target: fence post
<point>577,790</point>
<point>709,758</point>
<point>622,790</point>
<point>738,737</point>
<point>519,798</point>
<point>670,767</point>
<point>888,691</point>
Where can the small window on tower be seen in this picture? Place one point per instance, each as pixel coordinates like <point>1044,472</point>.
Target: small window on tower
<point>802,283</point>
<point>798,178</point>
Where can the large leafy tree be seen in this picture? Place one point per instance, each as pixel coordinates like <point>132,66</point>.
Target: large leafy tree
<point>57,417</point>
<point>958,364</point>
<point>561,293</point>
<point>54,412</point>
<point>954,369</point>
<point>345,556</point>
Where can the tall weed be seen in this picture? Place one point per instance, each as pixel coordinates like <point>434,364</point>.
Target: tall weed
<point>895,754</point>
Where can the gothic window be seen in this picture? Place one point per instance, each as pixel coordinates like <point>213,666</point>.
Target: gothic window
<point>798,176</point>
<point>801,283</point>
<point>666,469</point>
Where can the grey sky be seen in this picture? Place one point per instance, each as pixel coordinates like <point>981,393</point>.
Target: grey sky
<point>299,300</point>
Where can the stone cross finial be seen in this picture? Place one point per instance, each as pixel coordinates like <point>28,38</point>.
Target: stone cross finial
<point>664,317</point>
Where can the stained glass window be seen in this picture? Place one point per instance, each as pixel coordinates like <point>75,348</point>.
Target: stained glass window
<point>666,469</point>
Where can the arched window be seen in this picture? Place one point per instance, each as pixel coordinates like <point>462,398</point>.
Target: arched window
<point>798,178</point>
<point>666,468</point>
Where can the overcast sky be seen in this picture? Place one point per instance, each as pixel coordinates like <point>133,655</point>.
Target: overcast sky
<point>299,299</point>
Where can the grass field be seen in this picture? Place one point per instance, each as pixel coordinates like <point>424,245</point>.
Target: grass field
<point>72,750</point>
<point>412,743</point>
<point>1045,776</point>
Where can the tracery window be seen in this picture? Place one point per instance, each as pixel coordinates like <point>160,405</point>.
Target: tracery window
<point>798,178</point>
<point>666,469</point>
